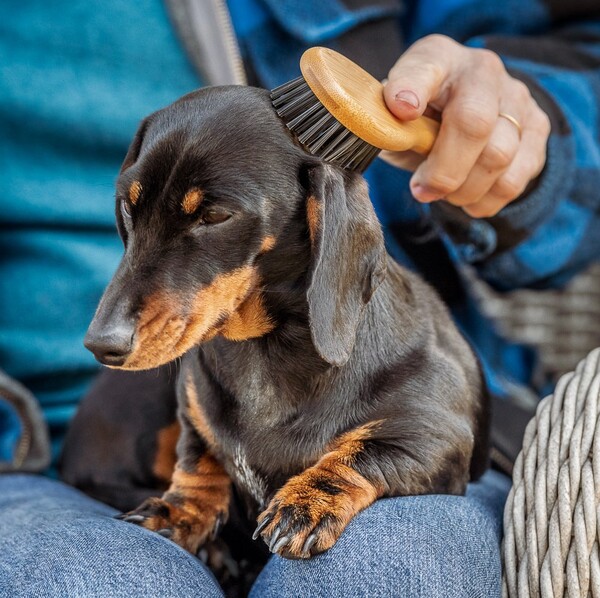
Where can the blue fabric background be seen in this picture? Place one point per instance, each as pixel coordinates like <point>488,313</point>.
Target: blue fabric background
<point>72,91</point>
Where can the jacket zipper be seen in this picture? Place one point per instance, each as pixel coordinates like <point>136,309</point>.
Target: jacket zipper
<point>24,444</point>
<point>234,55</point>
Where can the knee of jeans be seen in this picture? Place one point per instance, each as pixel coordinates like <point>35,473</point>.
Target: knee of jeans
<point>410,546</point>
<point>67,552</point>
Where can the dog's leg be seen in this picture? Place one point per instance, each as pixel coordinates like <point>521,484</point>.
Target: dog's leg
<point>308,514</point>
<point>197,502</point>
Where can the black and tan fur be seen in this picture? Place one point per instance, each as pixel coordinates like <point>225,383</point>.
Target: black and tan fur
<point>317,375</point>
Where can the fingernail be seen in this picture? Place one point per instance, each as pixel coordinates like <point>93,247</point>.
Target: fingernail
<point>424,194</point>
<point>408,97</point>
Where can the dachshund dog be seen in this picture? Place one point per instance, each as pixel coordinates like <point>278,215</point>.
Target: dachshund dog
<point>316,375</point>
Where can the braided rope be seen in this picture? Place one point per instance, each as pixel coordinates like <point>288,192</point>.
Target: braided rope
<point>552,516</point>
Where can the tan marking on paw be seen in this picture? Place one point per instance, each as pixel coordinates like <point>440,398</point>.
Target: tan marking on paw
<point>323,499</point>
<point>187,529</point>
<point>194,504</point>
<point>326,515</point>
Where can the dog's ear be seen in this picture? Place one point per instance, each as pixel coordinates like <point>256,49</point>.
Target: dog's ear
<point>348,257</point>
<point>134,148</point>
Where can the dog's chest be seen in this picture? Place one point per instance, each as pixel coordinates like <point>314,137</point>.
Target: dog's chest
<point>265,430</point>
<point>260,401</point>
<point>245,425</point>
<point>258,408</point>
<point>247,478</point>
<point>261,457</point>
<point>258,451</point>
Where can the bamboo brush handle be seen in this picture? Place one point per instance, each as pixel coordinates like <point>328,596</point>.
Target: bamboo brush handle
<point>355,99</point>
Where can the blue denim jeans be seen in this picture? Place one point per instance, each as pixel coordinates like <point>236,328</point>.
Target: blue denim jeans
<point>56,542</point>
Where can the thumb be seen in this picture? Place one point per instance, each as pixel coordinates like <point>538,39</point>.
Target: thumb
<point>418,77</point>
<point>403,101</point>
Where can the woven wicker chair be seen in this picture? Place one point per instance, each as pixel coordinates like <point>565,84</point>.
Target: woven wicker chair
<point>552,515</point>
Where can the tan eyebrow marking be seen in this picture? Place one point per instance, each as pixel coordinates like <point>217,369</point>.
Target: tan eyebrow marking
<point>134,192</point>
<point>191,200</point>
<point>268,244</point>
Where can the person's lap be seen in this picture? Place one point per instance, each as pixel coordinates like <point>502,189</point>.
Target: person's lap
<point>56,542</point>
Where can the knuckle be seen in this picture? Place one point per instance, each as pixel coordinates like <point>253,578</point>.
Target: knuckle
<point>498,155</point>
<point>438,40</point>
<point>509,187</point>
<point>433,70</point>
<point>475,121</point>
<point>442,183</point>
<point>489,59</point>
<point>520,90</point>
<point>429,71</point>
<point>539,164</point>
<point>545,126</point>
<point>529,165</point>
<point>534,166</point>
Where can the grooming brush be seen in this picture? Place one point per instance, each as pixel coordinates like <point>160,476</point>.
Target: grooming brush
<point>337,112</point>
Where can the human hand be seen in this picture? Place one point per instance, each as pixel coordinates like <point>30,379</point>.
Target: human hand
<point>493,135</point>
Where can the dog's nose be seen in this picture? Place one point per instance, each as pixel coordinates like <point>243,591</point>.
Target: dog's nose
<point>110,347</point>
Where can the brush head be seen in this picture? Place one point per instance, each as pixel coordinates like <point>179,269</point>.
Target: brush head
<point>337,111</point>
<point>317,130</point>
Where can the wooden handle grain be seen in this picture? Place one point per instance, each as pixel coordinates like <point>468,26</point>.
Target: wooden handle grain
<point>355,99</point>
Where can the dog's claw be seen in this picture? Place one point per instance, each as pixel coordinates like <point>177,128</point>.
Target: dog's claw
<point>202,554</point>
<point>274,538</point>
<point>133,518</point>
<point>261,526</point>
<point>165,533</point>
<point>217,527</point>
<point>280,544</point>
<point>309,543</point>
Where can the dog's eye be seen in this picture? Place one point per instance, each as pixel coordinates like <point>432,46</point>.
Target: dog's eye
<point>125,209</point>
<point>214,216</point>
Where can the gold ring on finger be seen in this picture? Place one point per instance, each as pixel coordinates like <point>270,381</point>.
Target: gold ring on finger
<point>513,120</point>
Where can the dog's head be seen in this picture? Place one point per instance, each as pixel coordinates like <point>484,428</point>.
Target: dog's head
<point>216,204</point>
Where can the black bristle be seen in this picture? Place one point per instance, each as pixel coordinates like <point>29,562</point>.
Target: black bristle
<point>317,129</point>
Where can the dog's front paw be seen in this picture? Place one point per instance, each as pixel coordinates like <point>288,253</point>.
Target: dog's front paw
<point>305,517</point>
<point>189,527</point>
